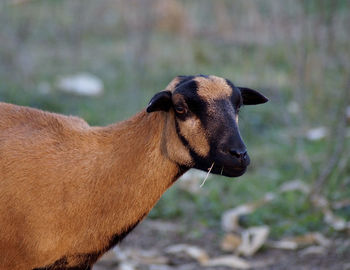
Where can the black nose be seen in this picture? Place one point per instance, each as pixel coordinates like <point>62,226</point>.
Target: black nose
<point>240,155</point>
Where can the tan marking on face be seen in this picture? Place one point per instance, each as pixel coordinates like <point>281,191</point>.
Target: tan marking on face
<point>213,88</point>
<point>172,145</point>
<point>171,86</point>
<point>195,134</point>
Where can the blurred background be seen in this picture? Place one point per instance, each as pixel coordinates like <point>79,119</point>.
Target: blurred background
<point>103,61</point>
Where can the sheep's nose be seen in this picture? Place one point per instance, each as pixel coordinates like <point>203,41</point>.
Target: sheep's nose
<point>240,155</point>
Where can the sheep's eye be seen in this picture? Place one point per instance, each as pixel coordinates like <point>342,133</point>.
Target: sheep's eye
<point>180,109</point>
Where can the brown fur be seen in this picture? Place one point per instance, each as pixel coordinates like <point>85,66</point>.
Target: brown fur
<point>172,85</point>
<point>67,188</point>
<point>172,144</point>
<point>193,132</point>
<point>213,89</point>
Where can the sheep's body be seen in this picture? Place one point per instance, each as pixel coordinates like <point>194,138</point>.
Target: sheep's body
<point>58,175</point>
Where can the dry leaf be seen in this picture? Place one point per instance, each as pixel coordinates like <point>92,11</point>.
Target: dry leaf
<point>191,251</point>
<point>253,239</point>
<point>310,239</point>
<point>230,218</point>
<point>147,257</point>
<point>316,134</point>
<point>320,201</point>
<point>282,244</point>
<point>139,256</point>
<point>229,261</point>
<point>295,185</point>
<point>230,242</point>
<point>337,223</point>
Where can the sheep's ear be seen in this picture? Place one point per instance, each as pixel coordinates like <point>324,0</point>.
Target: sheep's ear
<point>160,102</point>
<point>252,97</point>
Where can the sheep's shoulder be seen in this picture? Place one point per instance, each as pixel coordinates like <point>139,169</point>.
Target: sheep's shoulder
<point>19,117</point>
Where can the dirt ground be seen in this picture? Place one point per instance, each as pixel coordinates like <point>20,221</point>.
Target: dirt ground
<point>146,249</point>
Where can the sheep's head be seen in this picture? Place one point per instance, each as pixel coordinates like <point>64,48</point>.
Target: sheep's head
<point>201,128</point>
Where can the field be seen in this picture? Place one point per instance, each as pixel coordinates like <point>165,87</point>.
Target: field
<point>296,52</point>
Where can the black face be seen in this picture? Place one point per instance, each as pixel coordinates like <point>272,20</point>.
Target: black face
<point>206,121</point>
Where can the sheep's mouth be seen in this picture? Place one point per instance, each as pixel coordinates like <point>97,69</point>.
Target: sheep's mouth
<point>221,169</point>
<point>222,164</point>
<point>229,171</point>
<point>229,166</point>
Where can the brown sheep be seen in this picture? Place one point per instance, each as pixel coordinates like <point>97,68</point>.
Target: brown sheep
<point>69,192</point>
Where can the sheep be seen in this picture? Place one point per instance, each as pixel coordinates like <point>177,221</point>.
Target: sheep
<point>69,191</point>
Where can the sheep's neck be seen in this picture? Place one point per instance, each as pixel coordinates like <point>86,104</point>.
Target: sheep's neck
<point>140,171</point>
